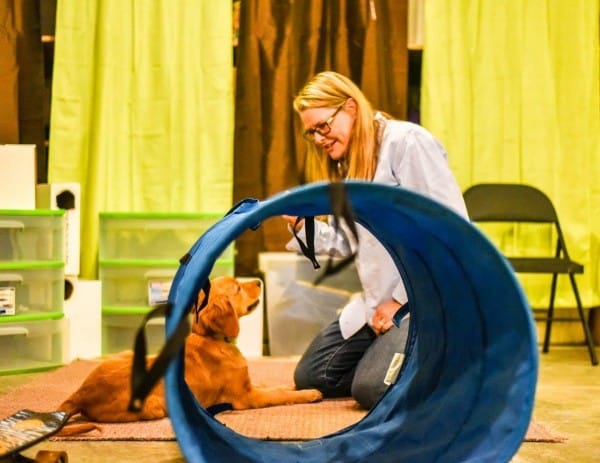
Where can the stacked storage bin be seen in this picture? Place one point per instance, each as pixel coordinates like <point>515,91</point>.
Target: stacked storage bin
<point>296,308</point>
<point>32,259</point>
<point>138,257</point>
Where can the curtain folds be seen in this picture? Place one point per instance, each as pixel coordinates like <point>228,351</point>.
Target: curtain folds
<point>142,109</point>
<point>281,45</point>
<point>22,87</point>
<point>513,91</point>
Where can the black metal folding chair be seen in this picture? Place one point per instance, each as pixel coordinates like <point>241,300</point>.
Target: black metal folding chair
<point>518,203</point>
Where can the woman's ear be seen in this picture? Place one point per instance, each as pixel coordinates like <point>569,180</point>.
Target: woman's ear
<point>351,106</point>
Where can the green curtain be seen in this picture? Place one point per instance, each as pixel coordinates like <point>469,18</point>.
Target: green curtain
<point>512,88</point>
<point>142,108</point>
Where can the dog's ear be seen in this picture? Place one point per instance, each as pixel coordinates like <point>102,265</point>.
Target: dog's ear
<point>219,317</point>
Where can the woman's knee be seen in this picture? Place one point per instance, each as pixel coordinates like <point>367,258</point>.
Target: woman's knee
<point>304,375</point>
<point>312,375</point>
<point>330,361</point>
<point>382,359</point>
<point>367,389</point>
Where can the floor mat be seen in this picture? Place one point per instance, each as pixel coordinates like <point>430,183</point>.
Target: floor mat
<point>282,423</point>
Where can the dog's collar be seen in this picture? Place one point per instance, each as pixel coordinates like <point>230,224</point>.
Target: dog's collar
<point>222,337</point>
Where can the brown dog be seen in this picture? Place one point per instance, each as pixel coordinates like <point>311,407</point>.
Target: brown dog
<point>215,369</point>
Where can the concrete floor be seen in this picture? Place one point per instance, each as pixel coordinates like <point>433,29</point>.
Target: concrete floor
<point>567,401</point>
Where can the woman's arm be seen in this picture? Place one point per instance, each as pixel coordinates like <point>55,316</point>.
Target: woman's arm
<point>419,162</point>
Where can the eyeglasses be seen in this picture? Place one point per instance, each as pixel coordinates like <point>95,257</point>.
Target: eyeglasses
<point>322,128</point>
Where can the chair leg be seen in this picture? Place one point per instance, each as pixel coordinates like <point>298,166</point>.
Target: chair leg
<point>550,314</point>
<point>586,328</point>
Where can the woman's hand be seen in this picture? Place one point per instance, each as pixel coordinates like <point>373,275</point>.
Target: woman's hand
<point>382,319</point>
<point>291,220</point>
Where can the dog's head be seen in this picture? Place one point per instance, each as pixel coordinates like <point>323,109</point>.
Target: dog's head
<point>228,299</point>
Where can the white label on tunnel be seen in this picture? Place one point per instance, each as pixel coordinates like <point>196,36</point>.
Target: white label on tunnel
<point>394,368</point>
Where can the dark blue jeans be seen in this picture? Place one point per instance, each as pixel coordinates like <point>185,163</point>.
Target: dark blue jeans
<point>330,362</point>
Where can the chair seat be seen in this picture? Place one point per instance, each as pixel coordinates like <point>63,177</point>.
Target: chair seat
<point>544,265</point>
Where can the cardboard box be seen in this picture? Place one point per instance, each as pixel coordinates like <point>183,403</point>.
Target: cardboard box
<point>83,312</point>
<point>17,176</point>
<point>66,196</point>
<point>250,339</point>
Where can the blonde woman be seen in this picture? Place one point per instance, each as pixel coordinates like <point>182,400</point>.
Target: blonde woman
<point>348,139</point>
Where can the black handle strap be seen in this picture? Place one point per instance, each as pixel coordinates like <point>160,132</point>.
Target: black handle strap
<point>307,249</point>
<point>340,209</point>
<point>143,380</point>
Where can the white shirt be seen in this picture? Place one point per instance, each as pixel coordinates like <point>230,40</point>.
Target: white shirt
<point>409,156</point>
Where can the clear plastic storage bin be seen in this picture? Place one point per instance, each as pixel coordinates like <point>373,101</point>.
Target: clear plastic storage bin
<point>129,284</point>
<point>31,288</point>
<point>296,309</point>
<point>31,346</point>
<point>32,235</point>
<point>152,235</point>
<point>119,330</point>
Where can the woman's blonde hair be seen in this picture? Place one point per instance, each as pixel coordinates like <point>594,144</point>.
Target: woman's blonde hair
<point>331,89</point>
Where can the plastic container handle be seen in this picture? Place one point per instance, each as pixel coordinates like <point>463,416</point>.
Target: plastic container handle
<point>11,277</point>
<point>159,274</point>
<point>13,330</point>
<point>12,224</point>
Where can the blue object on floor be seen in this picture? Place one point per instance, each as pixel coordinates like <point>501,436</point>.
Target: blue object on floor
<point>468,382</point>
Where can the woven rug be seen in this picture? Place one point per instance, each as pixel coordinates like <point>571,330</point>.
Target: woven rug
<point>281,423</point>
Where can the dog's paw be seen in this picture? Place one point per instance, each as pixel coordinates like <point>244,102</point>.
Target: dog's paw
<point>313,395</point>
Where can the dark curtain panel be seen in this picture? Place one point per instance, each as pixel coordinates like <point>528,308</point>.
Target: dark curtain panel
<point>9,73</point>
<point>22,78</point>
<point>281,45</point>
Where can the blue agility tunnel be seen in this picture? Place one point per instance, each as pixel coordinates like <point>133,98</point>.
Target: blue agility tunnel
<point>467,386</point>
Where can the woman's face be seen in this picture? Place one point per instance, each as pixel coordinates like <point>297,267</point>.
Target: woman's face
<point>330,128</point>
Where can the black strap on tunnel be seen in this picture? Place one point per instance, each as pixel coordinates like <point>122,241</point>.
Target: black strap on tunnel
<point>143,380</point>
<point>340,209</point>
<point>307,249</point>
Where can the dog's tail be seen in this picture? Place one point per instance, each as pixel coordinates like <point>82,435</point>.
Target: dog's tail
<point>76,429</point>
<point>71,406</point>
<point>73,427</point>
